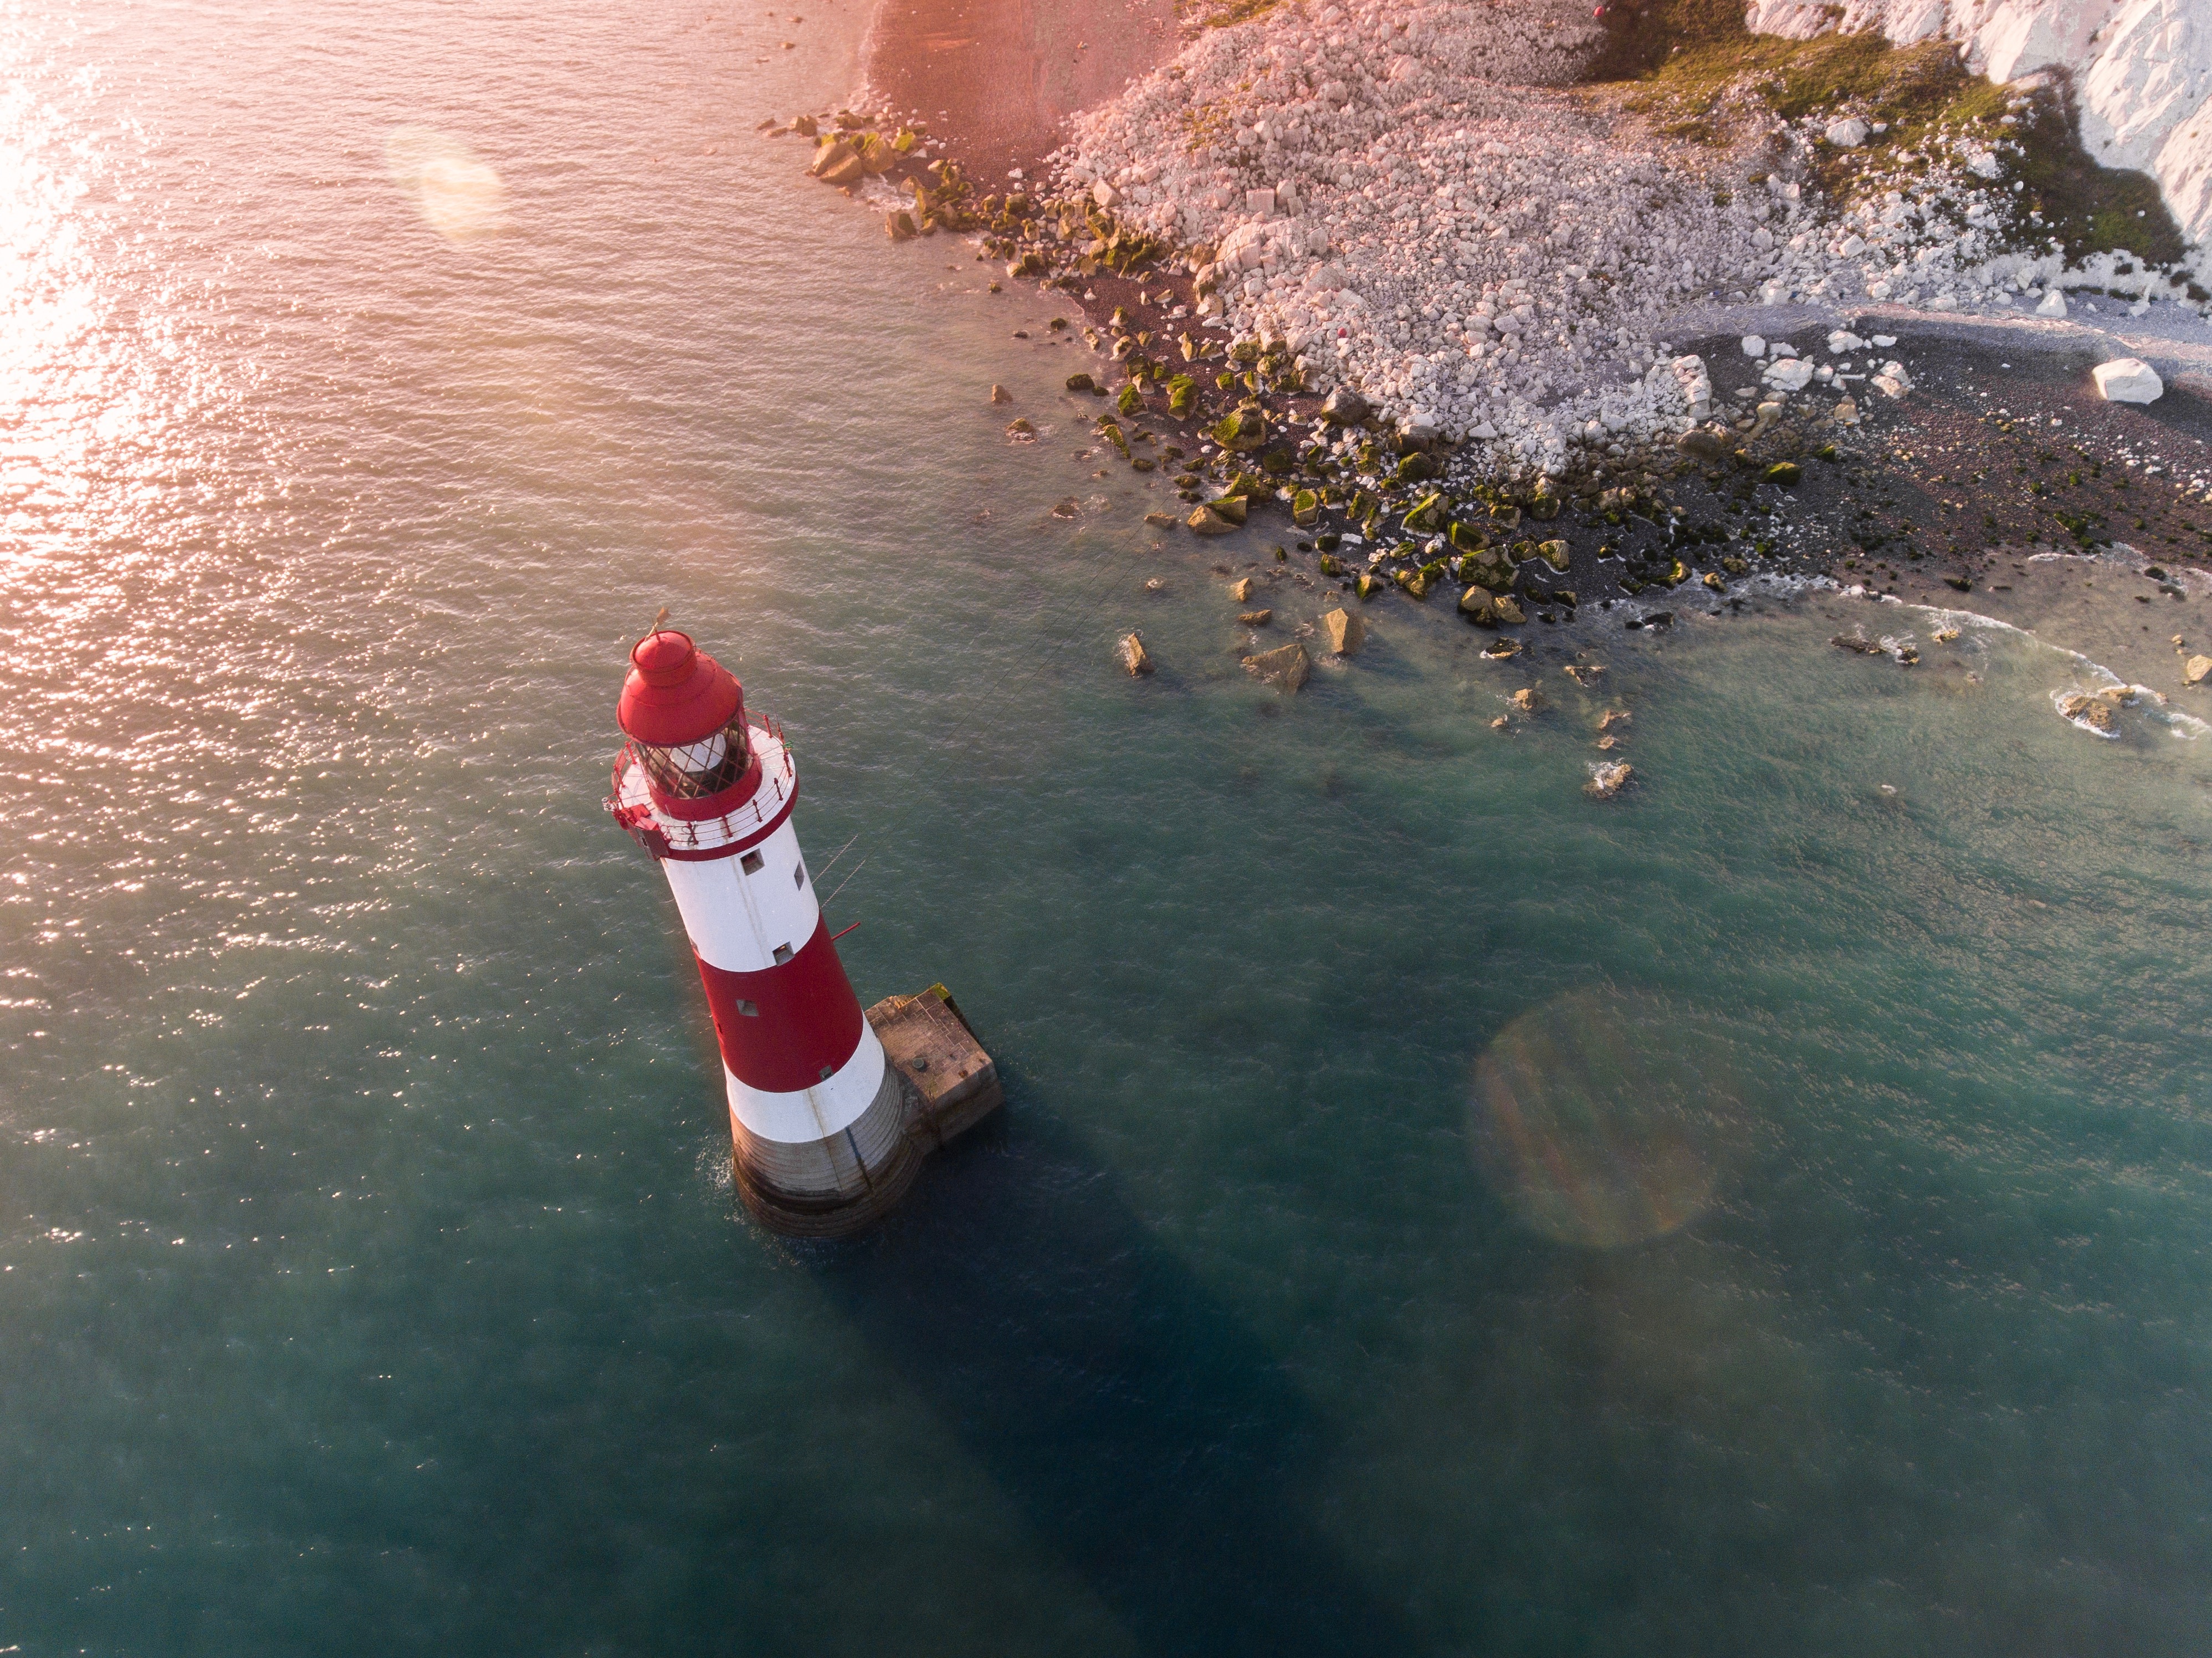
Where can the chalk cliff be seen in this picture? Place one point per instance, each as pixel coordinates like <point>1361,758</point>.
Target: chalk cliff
<point>2142,70</point>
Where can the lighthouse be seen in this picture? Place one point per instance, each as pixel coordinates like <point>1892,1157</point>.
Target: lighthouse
<point>818,1120</point>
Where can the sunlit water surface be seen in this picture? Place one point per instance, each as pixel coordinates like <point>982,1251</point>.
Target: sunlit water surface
<point>1435,1212</point>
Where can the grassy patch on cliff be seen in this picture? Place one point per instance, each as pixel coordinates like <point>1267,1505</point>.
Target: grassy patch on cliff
<point>1694,67</point>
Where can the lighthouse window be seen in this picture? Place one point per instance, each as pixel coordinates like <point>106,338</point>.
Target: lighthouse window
<point>782,954</point>
<point>749,1009</point>
<point>828,1071</point>
<point>798,875</point>
<point>750,863</point>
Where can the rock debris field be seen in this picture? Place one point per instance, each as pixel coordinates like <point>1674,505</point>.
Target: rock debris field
<point>1416,201</point>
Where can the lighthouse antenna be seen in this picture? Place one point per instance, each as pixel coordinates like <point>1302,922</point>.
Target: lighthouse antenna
<point>847,882</point>
<point>659,620</point>
<point>834,857</point>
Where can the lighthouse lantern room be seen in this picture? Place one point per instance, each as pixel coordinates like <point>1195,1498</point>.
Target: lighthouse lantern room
<point>820,1145</point>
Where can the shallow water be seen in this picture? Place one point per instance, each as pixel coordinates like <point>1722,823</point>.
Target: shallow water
<point>371,1279</point>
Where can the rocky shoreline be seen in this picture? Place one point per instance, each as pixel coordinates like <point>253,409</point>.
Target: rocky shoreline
<point>1516,435</point>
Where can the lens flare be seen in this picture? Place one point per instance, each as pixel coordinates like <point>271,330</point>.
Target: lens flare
<point>1596,1117</point>
<point>458,194</point>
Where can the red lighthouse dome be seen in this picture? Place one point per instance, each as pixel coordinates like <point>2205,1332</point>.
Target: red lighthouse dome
<point>676,693</point>
<point>686,713</point>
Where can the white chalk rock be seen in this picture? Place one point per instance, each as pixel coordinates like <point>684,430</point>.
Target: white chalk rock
<point>1789,374</point>
<point>1841,340</point>
<point>1102,192</point>
<point>2054,305</point>
<point>1847,134</point>
<point>1754,346</point>
<point>2128,380</point>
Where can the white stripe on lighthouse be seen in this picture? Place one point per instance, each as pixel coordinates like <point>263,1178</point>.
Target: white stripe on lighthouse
<point>816,1112</point>
<point>737,919</point>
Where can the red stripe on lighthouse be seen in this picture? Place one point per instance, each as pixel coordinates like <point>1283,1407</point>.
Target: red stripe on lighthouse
<point>806,1022</point>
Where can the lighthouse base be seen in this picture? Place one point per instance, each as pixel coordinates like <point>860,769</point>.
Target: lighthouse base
<point>951,1083</point>
<point>833,1187</point>
<point>938,1084</point>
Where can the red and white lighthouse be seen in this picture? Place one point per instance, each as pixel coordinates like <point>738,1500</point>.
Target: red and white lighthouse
<point>820,1143</point>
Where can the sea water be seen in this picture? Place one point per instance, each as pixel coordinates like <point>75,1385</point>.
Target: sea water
<point>1435,1211</point>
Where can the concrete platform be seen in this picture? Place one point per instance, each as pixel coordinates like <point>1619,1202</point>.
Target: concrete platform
<point>951,1083</point>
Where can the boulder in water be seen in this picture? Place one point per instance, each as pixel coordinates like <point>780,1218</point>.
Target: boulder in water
<point>2091,711</point>
<point>1607,778</point>
<point>2197,671</point>
<point>1134,656</point>
<point>1287,666</point>
<point>1345,632</point>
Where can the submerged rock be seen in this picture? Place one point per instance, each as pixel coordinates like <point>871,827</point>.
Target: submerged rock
<point>1854,642</point>
<point>1607,778</point>
<point>1287,666</point>
<point>1255,618</point>
<point>2093,712</point>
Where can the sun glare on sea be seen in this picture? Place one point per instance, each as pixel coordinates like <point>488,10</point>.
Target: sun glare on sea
<point>458,194</point>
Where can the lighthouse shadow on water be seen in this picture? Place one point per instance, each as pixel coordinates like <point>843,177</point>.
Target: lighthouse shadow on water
<point>1147,1436</point>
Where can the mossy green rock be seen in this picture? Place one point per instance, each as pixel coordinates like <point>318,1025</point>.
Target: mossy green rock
<point>1242,432</point>
<point>1553,553</point>
<point>1229,507</point>
<point>1468,538</point>
<point>1182,392</point>
<point>1784,473</point>
<point>1427,516</point>
<point>1305,509</point>
<point>1413,469</point>
<point>1329,566</point>
<point>1079,382</point>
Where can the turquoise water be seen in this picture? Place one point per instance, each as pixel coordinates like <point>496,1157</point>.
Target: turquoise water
<point>1435,1212</point>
